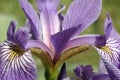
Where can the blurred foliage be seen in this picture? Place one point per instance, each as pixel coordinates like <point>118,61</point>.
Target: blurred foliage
<point>10,10</point>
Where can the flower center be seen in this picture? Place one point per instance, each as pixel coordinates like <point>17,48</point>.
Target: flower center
<point>16,50</point>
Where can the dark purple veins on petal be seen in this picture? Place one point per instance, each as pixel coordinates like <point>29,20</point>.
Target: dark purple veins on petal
<point>16,65</point>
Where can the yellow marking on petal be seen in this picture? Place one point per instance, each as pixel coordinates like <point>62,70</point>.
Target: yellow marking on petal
<point>106,49</point>
<point>15,51</point>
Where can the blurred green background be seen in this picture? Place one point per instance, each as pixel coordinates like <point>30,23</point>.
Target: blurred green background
<point>10,10</point>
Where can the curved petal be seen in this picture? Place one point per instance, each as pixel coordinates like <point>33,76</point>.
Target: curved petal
<point>113,71</point>
<point>32,17</point>
<point>110,32</point>
<point>15,63</point>
<point>111,49</point>
<point>82,12</point>
<point>60,39</point>
<point>92,40</point>
<point>40,45</point>
<point>11,30</point>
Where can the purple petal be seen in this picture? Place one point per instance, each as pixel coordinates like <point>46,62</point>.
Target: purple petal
<point>101,77</point>
<point>60,39</point>
<point>11,30</point>
<point>82,12</point>
<point>16,65</point>
<point>49,19</point>
<point>111,49</point>
<point>110,32</point>
<point>38,44</point>
<point>51,4</point>
<point>113,71</point>
<point>102,68</point>
<point>84,72</point>
<point>32,17</point>
<point>21,36</point>
<point>92,40</point>
<point>78,70</point>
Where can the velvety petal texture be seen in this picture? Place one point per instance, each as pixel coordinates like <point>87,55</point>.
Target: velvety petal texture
<point>15,63</point>
<point>82,12</point>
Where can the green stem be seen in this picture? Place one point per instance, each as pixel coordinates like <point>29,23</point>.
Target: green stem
<point>51,73</point>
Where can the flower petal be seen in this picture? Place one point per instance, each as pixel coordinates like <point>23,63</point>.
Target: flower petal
<point>38,44</point>
<point>60,39</point>
<point>16,64</point>
<point>49,19</point>
<point>43,4</point>
<point>32,17</point>
<point>22,36</point>
<point>11,30</point>
<point>91,40</point>
<point>82,12</point>
<point>110,32</point>
<point>84,72</point>
<point>101,77</point>
<point>113,71</point>
<point>111,49</point>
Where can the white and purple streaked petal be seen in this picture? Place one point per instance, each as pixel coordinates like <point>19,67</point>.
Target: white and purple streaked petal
<point>11,30</point>
<point>82,12</point>
<point>32,17</point>
<point>111,50</point>
<point>113,70</point>
<point>15,63</point>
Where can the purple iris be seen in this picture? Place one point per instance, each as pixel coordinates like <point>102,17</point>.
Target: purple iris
<point>53,38</point>
<point>16,62</point>
<point>109,67</point>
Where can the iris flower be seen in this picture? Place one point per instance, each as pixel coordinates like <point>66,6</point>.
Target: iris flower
<point>54,38</point>
<point>110,56</point>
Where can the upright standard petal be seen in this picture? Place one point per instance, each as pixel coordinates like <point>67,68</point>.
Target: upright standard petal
<point>111,49</point>
<point>32,17</point>
<point>82,12</point>
<point>11,30</point>
<point>49,19</point>
<point>15,63</point>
